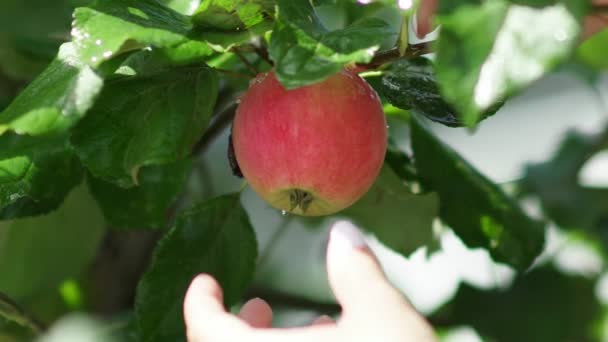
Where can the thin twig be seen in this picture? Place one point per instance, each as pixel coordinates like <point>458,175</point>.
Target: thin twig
<point>383,57</point>
<point>261,51</point>
<point>263,54</point>
<point>10,310</point>
<point>245,61</point>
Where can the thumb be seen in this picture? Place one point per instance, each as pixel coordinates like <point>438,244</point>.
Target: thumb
<point>355,275</point>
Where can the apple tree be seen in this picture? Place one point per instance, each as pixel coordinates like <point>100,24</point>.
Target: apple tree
<point>121,172</point>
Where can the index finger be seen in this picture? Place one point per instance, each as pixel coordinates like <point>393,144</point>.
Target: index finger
<point>208,321</point>
<point>205,316</point>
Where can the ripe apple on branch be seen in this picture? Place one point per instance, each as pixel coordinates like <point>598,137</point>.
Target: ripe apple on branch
<point>313,150</point>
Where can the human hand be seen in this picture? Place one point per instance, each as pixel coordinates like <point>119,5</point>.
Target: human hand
<point>593,23</point>
<point>373,310</point>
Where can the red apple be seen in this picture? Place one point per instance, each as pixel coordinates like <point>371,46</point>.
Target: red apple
<point>313,150</point>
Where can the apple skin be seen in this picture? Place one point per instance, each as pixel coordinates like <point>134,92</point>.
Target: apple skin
<point>313,150</point>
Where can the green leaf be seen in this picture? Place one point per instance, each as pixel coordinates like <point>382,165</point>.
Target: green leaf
<point>223,41</point>
<point>232,14</point>
<point>215,238</point>
<point>108,28</point>
<point>37,254</point>
<point>556,182</point>
<point>56,100</point>
<point>487,52</point>
<point>305,52</point>
<point>189,52</point>
<point>411,85</point>
<point>145,121</point>
<point>147,204</point>
<point>545,294</point>
<point>406,222</point>
<point>477,209</point>
<point>400,163</point>
<point>594,51</point>
<point>36,173</point>
<point>186,7</point>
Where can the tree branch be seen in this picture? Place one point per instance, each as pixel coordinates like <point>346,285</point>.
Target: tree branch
<point>261,51</point>
<point>387,56</point>
<point>247,63</point>
<point>10,310</point>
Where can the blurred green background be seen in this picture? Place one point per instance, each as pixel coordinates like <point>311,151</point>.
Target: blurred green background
<point>67,262</point>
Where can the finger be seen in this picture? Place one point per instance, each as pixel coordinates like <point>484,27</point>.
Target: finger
<point>366,296</point>
<point>424,17</point>
<point>204,313</point>
<point>204,297</point>
<point>355,275</point>
<point>323,320</point>
<point>257,313</point>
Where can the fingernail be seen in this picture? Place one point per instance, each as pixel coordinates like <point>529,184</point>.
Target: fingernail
<point>345,236</point>
<point>323,319</point>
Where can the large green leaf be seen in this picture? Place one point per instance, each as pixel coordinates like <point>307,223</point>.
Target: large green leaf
<point>57,99</point>
<point>545,295</point>
<point>109,27</point>
<point>489,51</point>
<point>406,222</point>
<point>37,254</point>
<point>215,238</point>
<point>145,121</point>
<point>411,85</point>
<point>147,204</point>
<point>556,182</point>
<point>36,173</point>
<point>477,209</point>
<point>232,14</point>
<point>305,52</point>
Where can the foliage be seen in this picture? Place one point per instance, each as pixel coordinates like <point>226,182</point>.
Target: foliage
<point>127,100</point>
